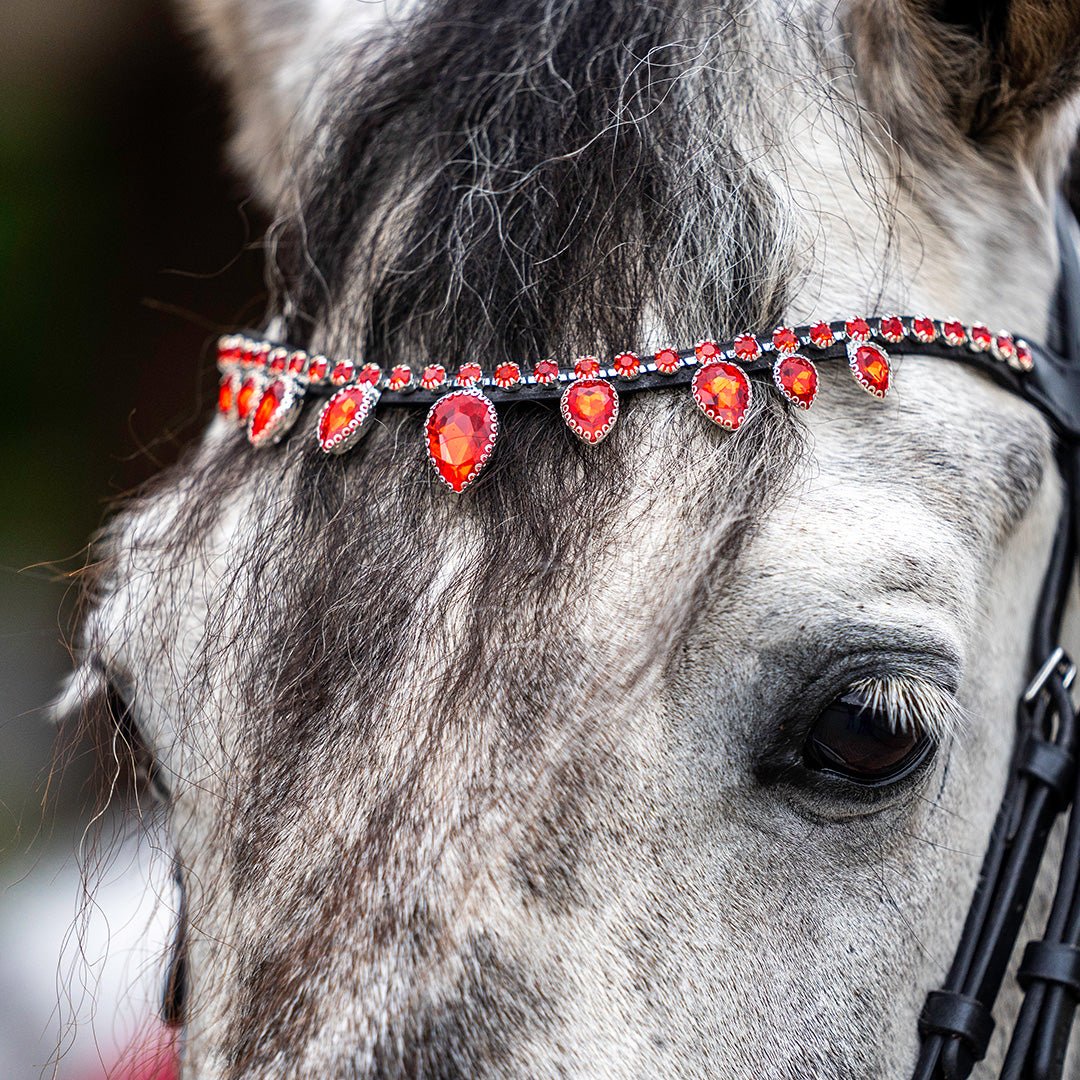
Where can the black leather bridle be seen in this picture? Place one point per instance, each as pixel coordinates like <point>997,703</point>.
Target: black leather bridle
<point>956,1021</point>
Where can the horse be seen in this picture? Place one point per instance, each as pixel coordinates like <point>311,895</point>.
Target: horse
<point>545,779</point>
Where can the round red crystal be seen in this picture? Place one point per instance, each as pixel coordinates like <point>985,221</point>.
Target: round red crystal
<point>370,374</point>
<point>400,377</point>
<point>1004,347</point>
<point>586,367</point>
<point>1025,359</point>
<point>590,408</point>
<point>722,392</point>
<point>870,366</point>
<point>297,362</point>
<point>627,365</point>
<point>433,376</point>
<point>746,347</point>
<point>797,379</point>
<point>706,350</point>
<point>460,430</point>
<point>317,368</point>
<point>981,338</point>
<point>858,329</point>
<point>234,351</point>
<point>923,328</point>
<point>225,350</point>
<point>507,375</point>
<point>785,340</point>
<point>468,375</point>
<point>276,361</point>
<point>545,371</point>
<point>821,335</point>
<point>953,332</point>
<point>344,371</point>
<point>892,328</point>
<point>667,361</point>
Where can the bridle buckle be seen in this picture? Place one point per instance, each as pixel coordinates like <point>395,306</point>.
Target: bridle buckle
<point>1057,663</point>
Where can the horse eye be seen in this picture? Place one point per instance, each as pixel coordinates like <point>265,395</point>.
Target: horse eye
<point>854,740</point>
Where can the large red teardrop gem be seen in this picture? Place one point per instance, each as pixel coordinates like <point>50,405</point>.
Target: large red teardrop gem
<point>343,418</point>
<point>460,431</point>
<point>268,405</point>
<point>276,412</point>
<point>269,402</point>
<point>245,397</point>
<point>797,379</point>
<point>722,392</point>
<point>590,408</point>
<point>869,364</point>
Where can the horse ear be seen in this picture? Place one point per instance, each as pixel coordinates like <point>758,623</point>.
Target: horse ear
<point>993,71</point>
<point>271,54</point>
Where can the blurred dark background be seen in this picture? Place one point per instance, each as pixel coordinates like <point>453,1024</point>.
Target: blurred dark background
<point>125,247</point>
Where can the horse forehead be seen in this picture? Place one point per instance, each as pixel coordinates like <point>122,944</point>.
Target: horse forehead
<point>948,455</point>
<point>917,492</point>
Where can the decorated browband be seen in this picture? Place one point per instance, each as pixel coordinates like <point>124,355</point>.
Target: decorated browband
<point>264,384</point>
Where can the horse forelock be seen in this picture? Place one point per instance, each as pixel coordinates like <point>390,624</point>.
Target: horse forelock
<point>434,674</point>
<point>544,177</point>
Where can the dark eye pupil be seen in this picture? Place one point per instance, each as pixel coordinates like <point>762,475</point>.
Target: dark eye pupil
<point>852,738</point>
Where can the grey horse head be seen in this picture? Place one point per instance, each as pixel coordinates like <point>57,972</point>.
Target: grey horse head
<point>517,783</point>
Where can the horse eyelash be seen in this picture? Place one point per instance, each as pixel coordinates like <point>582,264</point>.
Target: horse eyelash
<point>912,703</point>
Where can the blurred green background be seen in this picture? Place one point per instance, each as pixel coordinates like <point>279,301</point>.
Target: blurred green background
<point>125,247</point>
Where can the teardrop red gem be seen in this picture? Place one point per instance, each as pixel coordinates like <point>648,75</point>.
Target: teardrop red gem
<point>722,393</point>
<point>870,366</point>
<point>341,421</point>
<point>245,397</point>
<point>226,394</point>
<point>460,431</point>
<point>269,404</point>
<point>797,379</point>
<point>590,408</point>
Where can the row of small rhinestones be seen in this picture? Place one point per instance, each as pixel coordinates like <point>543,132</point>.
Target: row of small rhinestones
<point>237,351</point>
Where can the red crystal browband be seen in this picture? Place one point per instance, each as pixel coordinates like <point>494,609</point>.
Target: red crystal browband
<point>264,384</point>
